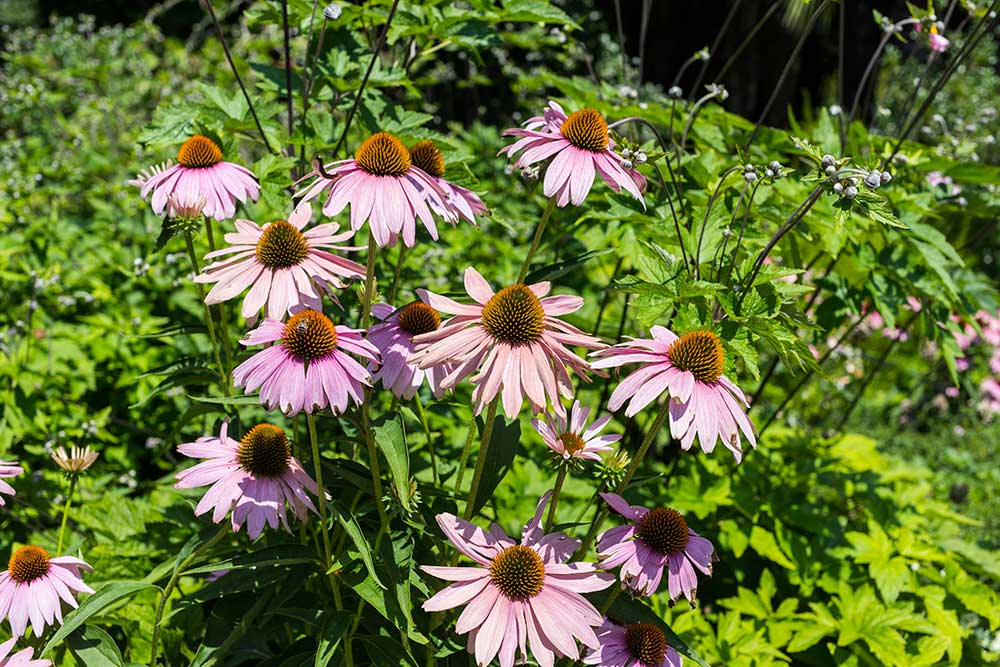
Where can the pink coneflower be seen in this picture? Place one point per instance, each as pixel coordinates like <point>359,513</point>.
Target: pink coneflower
<point>310,369</point>
<point>513,338</point>
<point>393,337</point>
<point>10,469</point>
<point>632,645</point>
<point>383,187</point>
<point>458,202</point>
<point>581,147</point>
<point>200,170</point>
<point>22,658</point>
<point>519,595</point>
<point>34,583</point>
<point>285,269</point>
<point>659,538</point>
<point>703,401</point>
<point>573,439</point>
<point>256,478</point>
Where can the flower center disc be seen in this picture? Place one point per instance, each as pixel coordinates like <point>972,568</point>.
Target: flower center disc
<point>586,129</point>
<point>199,151</point>
<point>514,315</point>
<point>571,442</point>
<point>426,156</point>
<point>264,451</point>
<point>701,354</point>
<point>664,529</point>
<point>646,643</point>
<point>281,245</point>
<point>28,563</point>
<point>418,318</point>
<point>309,335</point>
<point>518,572</point>
<point>382,154</point>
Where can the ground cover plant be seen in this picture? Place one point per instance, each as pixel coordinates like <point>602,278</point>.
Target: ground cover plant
<point>300,369</point>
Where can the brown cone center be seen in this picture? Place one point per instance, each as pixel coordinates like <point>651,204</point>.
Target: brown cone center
<point>264,451</point>
<point>664,529</point>
<point>700,353</point>
<point>514,315</point>
<point>28,563</point>
<point>309,335</point>
<point>426,156</point>
<point>382,154</point>
<point>199,151</point>
<point>586,129</point>
<point>646,643</point>
<point>281,245</point>
<point>518,572</point>
<point>418,318</point>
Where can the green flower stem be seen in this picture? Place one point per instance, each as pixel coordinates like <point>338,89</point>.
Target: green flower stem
<point>466,451</point>
<point>320,491</point>
<point>396,272</point>
<point>651,434</point>
<point>209,321</point>
<point>612,596</point>
<point>225,344</point>
<point>556,490</point>
<point>536,241</point>
<point>484,448</point>
<point>172,583</point>
<point>65,514</point>
<point>430,441</point>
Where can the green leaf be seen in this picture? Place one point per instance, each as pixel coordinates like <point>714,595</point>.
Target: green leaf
<point>335,625</point>
<point>280,555</point>
<point>102,599</point>
<point>353,529</point>
<point>503,448</point>
<point>391,439</point>
<point>763,542</point>
<point>560,269</point>
<point>93,647</point>
<point>227,400</point>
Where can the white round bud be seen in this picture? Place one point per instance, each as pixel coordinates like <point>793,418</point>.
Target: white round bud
<point>851,192</point>
<point>332,12</point>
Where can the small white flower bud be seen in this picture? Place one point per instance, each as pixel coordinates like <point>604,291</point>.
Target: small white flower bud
<point>626,153</point>
<point>885,177</point>
<point>769,173</point>
<point>750,176</point>
<point>675,92</point>
<point>727,232</point>
<point>332,11</point>
<point>873,180</point>
<point>828,160</point>
<point>774,166</point>
<point>830,171</point>
<point>627,164</point>
<point>835,110</point>
<point>851,192</point>
<point>640,157</point>
<point>838,188</point>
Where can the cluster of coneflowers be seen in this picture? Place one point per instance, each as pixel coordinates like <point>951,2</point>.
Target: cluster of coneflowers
<point>521,597</point>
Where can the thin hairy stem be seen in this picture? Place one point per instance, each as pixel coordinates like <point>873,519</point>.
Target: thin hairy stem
<point>65,513</point>
<point>539,230</point>
<point>422,415</point>
<point>708,211</point>
<point>209,320</point>
<point>484,449</point>
<point>556,491</point>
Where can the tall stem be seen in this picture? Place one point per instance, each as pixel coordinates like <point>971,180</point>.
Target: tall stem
<point>484,448</point>
<point>536,240</point>
<point>430,441</point>
<point>224,343</point>
<point>366,315</point>
<point>464,459</point>
<point>396,272</point>
<point>320,492</point>
<point>209,320</point>
<point>65,514</point>
<point>556,491</point>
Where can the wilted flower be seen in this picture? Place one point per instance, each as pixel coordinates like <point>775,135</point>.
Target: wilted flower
<point>77,461</point>
<point>33,585</point>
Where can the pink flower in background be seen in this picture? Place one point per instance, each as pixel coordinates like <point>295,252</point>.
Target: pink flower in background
<point>951,392</point>
<point>310,369</point>
<point>580,148</point>
<point>393,337</point>
<point>632,645</point>
<point>573,439</point>
<point>936,178</point>
<point>383,188</point>
<point>200,171</point>
<point>519,595</point>
<point>8,469</point>
<point>937,41</point>
<point>34,586</point>
<point>513,338</point>
<point>22,658</point>
<point>962,364</point>
<point>657,539</point>
<point>458,202</point>
<point>286,270</point>
<point>256,478</point>
<point>704,403</point>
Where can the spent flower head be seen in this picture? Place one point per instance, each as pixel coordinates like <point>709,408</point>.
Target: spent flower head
<point>78,460</point>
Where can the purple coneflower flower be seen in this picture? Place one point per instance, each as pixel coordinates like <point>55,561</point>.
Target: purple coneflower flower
<point>310,369</point>
<point>659,538</point>
<point>632,645</point>
<point>34,587</point>
<point>22,658</point>
<point>393,337</point>
<point>572,438</point>
<point>256,478</point>
<point>8,469</point>
<point>458,202</point>
<point>519,595</point>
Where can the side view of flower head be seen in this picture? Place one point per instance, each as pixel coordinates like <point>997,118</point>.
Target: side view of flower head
<point>34,587</point>
<point>285,268</point>
<point>383,188</point>
<point>458,201</point>
<point>657,539</point>
<point>632,645</point>
<point>513,340</point>
<point>519,597</point>
<point>310,368</point>
<point>580,148</point>
<point>393,336</point>
<point>201,172</point>
<point>23,658</point>
<point>703,402</point>
<point>255,478</point>
<point>8,470</point>
<point>572,438</point>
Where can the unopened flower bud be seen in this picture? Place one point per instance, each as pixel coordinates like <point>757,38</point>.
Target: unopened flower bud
<point>626,153</point>
<point>769,173</point>
<point>827,161</point>
<point>675,92</point>
<point>640,157</point>
<point>835,110</point>
<point>851,192</point>
<point>838,188</point>
<point>332,12</point>
<point>750,176</point>
<point>774,166</point>
<point>873,180</point>
<point>885,177</point>
<point>830,171</point>
<point>627,164</point>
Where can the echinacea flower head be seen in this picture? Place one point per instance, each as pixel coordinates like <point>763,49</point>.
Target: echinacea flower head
<point>285,268</point>
<point>704,403</point>
<point>513,338</point>
<point>632,645</point>
<point>580,148</point>
<point>383,187</point>
<point>8,469</point>
<point>572,438</point>
<point>22,658</point>
<point>519,595</point>
<point>393,337</point>
<point>34,584</point>
<point>656,539</point>
<point>256,478</point>
<point>201,171</point>
<point>458,202</point>
<point>76,461</point>
<point>311,367</point>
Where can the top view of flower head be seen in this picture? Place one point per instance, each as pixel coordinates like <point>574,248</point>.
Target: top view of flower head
<point>565,333</point>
